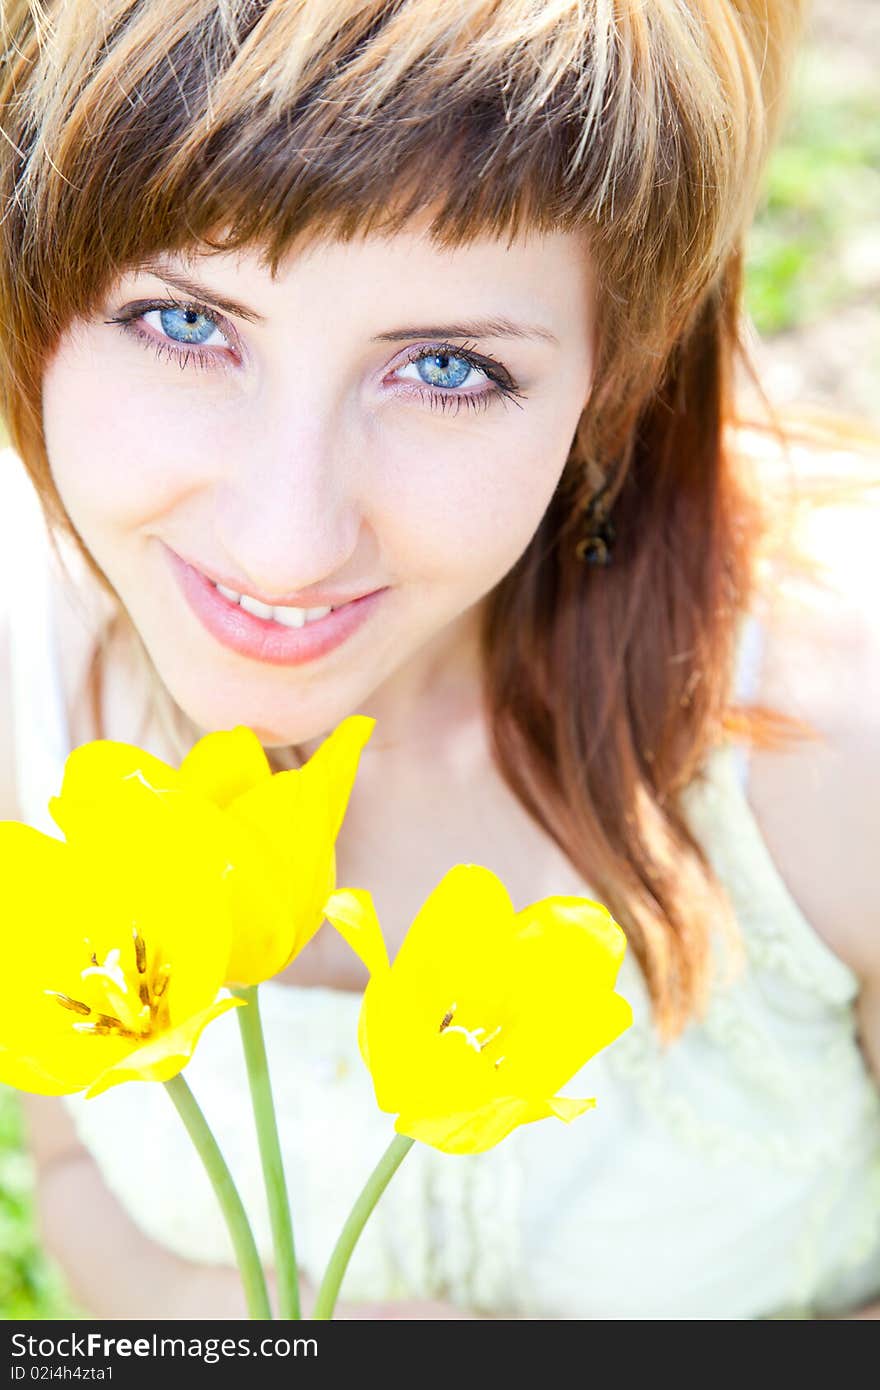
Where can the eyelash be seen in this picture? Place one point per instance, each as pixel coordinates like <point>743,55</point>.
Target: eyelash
<point>503,387</point>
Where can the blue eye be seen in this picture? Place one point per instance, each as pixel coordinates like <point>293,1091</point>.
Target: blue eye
<point>443,369</point>
<point>186,324</point>
<point>178,331</point>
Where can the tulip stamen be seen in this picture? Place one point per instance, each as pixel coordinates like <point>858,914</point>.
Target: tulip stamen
<point>125,1019</point>
<point>75,1005</point>
<point>150,992</point>
<point>115,1024</point>
<point>161,981</point>
<point>105,1024</point>
<point>448,1017</point>
<point>110,971</point>
<point>471,1035</point>
<point>140,952</point>
<point>117,994</point>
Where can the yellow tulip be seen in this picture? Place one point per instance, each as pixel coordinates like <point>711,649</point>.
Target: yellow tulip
<point>279,830</point>
<point>485,1012</point>
<point>115,942</point>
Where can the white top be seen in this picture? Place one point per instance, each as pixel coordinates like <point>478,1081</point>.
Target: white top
<point>736,1176</point>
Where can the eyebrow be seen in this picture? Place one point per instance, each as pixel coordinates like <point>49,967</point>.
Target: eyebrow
<point>496,327</point>
<point>187,285</point>
<point>481,328</point>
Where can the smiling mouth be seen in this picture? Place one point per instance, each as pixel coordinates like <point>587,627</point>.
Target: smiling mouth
<point>304,600</point>
<point>275,634</point>
<point>282,614</point>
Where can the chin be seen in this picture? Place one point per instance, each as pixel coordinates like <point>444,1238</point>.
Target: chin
<point>270,735</point>
<point>226,703</point>
<point>271,738</point>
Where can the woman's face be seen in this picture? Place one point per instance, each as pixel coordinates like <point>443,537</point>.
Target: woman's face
<point>279,436</point>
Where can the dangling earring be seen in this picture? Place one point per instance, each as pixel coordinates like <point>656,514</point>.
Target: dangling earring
<point>599,534</point>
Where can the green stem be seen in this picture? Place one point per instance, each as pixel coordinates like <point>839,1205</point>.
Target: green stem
<point>373,1188</point>
<point>249,1265</point>
<point>254,1046</point>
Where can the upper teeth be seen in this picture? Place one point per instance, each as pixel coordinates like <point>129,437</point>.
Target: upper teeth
<point>288,617</point>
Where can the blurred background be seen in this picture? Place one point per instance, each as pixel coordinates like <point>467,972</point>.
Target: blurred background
<point>814,257</point>
<point>814,298</point>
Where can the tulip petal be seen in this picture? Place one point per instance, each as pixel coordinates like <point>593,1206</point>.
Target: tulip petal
<point>95,766</point>
<point>59,1060</point>
<point>333,766</point>
<point>591,934</point>
<point>284,867</point>
<point>264,905</point>
<point>156,859</point>
<point>563,1023</point>
<point>293,820</point>
<point>225,765</point>
<point>363,1040</point>
<point>31,1076</point>
<point>473,1131</point>
<point>353,914</point>
<point>164,1056</point>
<point>567,1108</point>
<point>461,934</point>
<point>50,907</point>
<point>417,1067</point>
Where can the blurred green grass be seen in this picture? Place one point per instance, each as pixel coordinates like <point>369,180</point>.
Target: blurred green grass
<point>809,255</point>
<point>30,1286</point>
<point>815,245</point>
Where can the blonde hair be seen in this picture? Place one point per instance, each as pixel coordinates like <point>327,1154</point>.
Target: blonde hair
<point>133,129</point>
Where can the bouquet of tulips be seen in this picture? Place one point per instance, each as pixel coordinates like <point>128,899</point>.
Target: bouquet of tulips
<point>175,892</point>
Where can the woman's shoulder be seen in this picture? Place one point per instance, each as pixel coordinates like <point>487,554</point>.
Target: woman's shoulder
<point>43,624</point>
<point>816,802</point>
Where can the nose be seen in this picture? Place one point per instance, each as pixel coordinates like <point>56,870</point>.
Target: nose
<point>289,517</point>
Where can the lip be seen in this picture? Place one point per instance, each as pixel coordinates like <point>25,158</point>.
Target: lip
<point>260,638</point>
<point>318,598</point>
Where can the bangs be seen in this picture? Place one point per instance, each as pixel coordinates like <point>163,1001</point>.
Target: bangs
<point>182,125</point>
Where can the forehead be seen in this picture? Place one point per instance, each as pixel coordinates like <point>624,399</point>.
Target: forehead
<point>532,272</point>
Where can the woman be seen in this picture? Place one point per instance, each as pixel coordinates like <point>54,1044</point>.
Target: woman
<point>440,319</point>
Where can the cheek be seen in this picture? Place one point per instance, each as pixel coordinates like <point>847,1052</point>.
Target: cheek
<point>475,497</point>
<point>118,448</point>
